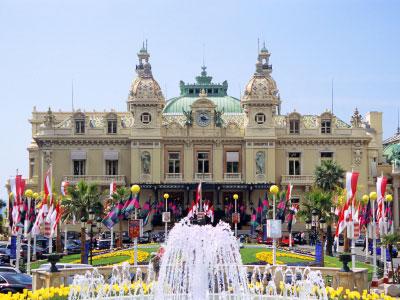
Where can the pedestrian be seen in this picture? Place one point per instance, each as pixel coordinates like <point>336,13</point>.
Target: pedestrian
<point>335,246</point>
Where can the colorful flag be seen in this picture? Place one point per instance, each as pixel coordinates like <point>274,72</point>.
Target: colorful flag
<point>64,187</point>
<point>113,188</point>
<point>198,193</point>
<point>381,183</point>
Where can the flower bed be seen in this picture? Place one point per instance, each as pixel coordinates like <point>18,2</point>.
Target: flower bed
<point>267,257</point>
<point>129,254</point>
<point>61,293</point>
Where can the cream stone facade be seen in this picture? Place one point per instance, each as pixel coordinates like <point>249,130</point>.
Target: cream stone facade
<point>231,145</point>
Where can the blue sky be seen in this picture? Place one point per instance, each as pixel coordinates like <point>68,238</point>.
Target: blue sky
<point>44,45</point>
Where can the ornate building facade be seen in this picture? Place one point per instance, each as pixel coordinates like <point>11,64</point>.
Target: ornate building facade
<point>231,145</point>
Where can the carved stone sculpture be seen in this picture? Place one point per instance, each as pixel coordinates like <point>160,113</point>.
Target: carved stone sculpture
<point>189,117</point>
<point>219,122</point>
<point>260,162</point>
<point>146,162</point>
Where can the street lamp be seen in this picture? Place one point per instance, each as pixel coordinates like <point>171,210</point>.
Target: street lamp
<point>166,196</point>
<point>135,189</point>
<point>236,197</point>
<point>274,190</point>
<point>388,199</point>
<point>365,199</point>
<point>83,237</point>
<point>28,195</point>
<point>35,197</point>
<point>372,197</point>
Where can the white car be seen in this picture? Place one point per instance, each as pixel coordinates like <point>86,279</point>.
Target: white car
<point>7,269</point>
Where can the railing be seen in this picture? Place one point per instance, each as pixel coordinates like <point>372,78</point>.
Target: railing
<point>99,179</point>
<point>355,280</point>
<point>173,177</point>
<point>203,176</point>
<point>235,177</point>
<point>396,166</point>
<point>298,179</point>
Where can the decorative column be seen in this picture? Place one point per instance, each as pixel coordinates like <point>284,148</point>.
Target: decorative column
<point>395,211</point>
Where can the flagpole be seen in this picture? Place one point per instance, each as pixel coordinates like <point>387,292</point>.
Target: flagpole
<point>51,192</point>
<point>374,283</point>
<point>28,259</point>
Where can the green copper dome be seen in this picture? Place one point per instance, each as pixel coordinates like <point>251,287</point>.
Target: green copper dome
<point>391,147</point>
<point>217,93</point>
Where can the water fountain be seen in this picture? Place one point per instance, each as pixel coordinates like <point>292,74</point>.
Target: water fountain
<point>201,262</point>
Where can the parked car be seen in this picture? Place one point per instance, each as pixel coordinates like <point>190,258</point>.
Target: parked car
<point>146,238</point>
<point>4,255</point>
<point>73,247</point>
<point>360,242</point>
<point>268,241</point>
<point>8,269</point>
<point>103,244</point>
<point>14,282</point>
<point>285,241</point>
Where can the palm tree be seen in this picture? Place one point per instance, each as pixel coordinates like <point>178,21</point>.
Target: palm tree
<point>389,240</point>
<point>329,178</point>
<point>321,202</point>
<point>80,198</point>
<point>120,195</point>
<point>2,205</point>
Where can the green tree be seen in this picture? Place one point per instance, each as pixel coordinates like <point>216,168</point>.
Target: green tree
<point>329,177</point>
<point>80,199</point>
<point>388,241</point>
<point>2,205</point>
<point>121,194</point>
<point>321,202</point>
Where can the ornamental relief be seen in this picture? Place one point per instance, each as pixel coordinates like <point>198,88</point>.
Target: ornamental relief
<point>310,122</point>
<point>357,155</point>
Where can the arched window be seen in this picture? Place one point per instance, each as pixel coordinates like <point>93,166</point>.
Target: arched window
<point>294,123</point>
<point>79,120</point>
<point>326,123</point>
<point>112,123</point>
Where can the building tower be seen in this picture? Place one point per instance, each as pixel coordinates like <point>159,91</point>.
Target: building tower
<point>145,99</point>
<point>260,100</point>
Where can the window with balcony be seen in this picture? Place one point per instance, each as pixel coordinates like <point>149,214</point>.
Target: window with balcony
<point>294,163</point>
<point>326,126</point>
<point>294,126</point>
<point>232,162</point>
<point>111,167</point>
<point>31,167</point>
<point>79,166</point>
<point>326,156</point>
<point>112,126</point>
<point>203,163</point>
<point>79,126</point>
<point>174,162</point>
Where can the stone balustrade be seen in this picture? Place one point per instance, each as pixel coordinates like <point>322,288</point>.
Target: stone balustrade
<point>99,179</point>
<point>356,280</point>
<point>298,179</point>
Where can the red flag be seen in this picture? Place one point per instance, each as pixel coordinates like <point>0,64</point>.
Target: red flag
<point>381,183</point>
<point>198,193</point>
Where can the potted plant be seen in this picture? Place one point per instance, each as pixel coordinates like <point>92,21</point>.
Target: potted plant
<point>54,258</point>
<point>345,258</point>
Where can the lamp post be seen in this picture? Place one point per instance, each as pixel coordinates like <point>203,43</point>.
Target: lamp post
<point>235,197</point>
<point>91,220</point>
<point>83,238</point>
<point>372,197</point>
<point>365,199</point>
<point>166,196</point>
<point>388,199</point>
<point>35,197</point>
<point>135,189</point>
<point>313,224</point>
<point>274,190</point>
<point>28,195</point>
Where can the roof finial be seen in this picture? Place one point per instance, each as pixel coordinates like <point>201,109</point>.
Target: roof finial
<point>398,121</point>
<point>204,53</point>
<point>258,45</point>
<point>146,44</point>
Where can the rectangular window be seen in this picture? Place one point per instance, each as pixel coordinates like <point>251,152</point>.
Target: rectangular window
<point>111,167</point>
<point>79,166</point>
<point>232,162</point>
<point>112,126</point>
<point>31,167</point>
<point>174,162</point>
<point>80,126</point>
<point>203,162</point>
<point>326,126</point>
<point>216,91</point>
<point>326,156</point>
<point>209,91</point>
<point>191,91</point>
<point>294,163</point>
<point>294,126</point>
